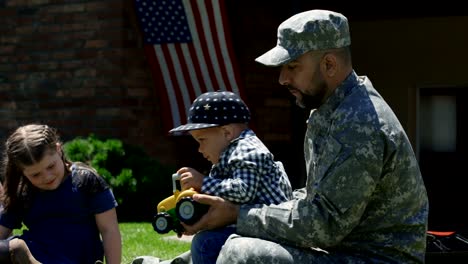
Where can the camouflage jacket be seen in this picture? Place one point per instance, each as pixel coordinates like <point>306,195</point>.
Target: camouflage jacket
<point>364,194</point>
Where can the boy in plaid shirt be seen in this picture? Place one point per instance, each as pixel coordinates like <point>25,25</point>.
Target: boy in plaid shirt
<point>243,171</point>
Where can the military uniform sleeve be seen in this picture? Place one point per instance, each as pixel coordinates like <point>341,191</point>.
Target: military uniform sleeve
<point>332,205</point>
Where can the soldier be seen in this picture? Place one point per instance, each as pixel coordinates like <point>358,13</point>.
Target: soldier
<point>364,199</point>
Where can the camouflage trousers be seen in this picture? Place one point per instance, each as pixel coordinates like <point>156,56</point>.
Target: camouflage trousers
<point>238,249</point>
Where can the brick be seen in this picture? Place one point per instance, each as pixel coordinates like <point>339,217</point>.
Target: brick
<point>50,29</point>
<point>27,67</point>
<point>8,12</point>
<point>47,66</point>
<point>24,30</point>
<point>73,27</point>
<point>70,65</point>
<point>20,77</point>
<point>62,55</point>
<point>117,111</point>
<point>7,49</point>
<point>85,73</point>
<point>96,44</point>
<point>5,87</point>
<point>7,68</point>
<point>60,75</point>
<point>97,6</point>
<point>9,40</point>
<point>138,92</point>
<point>38,2</point>
<point>80,93</point>
<point>73,8</point>
<point>24,21</point>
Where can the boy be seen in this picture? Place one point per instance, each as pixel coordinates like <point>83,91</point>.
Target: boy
<point>243,171</point>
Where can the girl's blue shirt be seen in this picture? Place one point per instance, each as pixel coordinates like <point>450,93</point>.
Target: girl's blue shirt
<point>60,224</point>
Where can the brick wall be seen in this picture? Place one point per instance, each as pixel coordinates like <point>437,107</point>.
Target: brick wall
<point>78,66</point>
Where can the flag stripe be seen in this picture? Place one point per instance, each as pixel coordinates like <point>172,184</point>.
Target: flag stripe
<point>209,42</point>
<point>177,75</point>
<point>191,52</point>
<point>194,24</point>
<point>220,28</point>
<point>204,43</point>
<point>236,71</point>
<point>175,99</point>
<point>150,51</point>
<point>193,71</point>
<point>183,75</point>
<point>199,70</point>
<point>216,52</point>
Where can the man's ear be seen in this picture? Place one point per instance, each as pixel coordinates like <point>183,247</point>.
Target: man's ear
<point>330,64</point>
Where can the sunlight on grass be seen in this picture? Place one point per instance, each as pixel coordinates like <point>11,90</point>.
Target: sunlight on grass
<point>139,239</point>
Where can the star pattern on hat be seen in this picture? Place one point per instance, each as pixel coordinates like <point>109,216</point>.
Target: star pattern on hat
<point>213,109</point>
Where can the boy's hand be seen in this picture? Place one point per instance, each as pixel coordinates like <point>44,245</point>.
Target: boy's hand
<point>221,213</point>
<point>190,178</point>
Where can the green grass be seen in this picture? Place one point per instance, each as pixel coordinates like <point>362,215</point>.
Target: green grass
<point>139,239</point>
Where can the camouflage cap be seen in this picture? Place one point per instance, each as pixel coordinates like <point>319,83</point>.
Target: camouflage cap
<point>307,31</point>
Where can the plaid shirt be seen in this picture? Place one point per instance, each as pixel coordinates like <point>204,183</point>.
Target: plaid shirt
<point>247,173</point>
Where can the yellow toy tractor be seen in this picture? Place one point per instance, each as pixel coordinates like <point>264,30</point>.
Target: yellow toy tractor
<point>180,207</point>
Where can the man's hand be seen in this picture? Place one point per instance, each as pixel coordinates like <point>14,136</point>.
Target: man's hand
<point>190,178</point>
<point>221,213</point>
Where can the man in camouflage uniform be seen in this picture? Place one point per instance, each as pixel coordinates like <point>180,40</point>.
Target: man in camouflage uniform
<point>364,200</point>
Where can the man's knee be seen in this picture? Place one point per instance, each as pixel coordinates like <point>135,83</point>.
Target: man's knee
<point>233,251</point>
<point>243,250</point>
<point>239,250</point>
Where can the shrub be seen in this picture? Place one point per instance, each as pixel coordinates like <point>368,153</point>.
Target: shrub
<point>137,180</point>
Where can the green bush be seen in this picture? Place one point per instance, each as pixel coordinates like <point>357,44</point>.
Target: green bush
<point>137,180</point>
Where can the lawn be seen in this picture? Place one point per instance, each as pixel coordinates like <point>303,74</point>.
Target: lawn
<point>139,239</point>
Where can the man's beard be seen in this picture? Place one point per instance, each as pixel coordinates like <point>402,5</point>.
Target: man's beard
<point>309,102</point>
<point>313,101</point>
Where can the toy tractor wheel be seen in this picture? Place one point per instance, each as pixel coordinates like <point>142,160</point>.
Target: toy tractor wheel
<point>188,211</point>
<point>162,223</point>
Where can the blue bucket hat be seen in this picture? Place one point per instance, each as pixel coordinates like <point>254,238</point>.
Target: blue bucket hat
<point>307,31</point>
<point>214,109</point>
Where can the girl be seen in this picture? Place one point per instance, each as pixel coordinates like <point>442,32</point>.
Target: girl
<point>65,207</point>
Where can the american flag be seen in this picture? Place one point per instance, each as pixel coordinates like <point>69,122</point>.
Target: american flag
<point>188,46</point>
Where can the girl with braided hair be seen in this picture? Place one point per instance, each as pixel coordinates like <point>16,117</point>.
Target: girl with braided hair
<point>67,209</point>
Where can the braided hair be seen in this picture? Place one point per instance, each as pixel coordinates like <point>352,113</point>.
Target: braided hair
<point>26,146</point>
